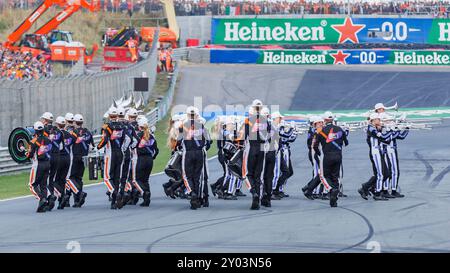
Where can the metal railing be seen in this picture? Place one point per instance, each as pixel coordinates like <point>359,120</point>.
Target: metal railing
<point>181,53</point>
<point>165,103</point>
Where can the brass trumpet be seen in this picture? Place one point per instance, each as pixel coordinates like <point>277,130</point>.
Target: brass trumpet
<point>402,123</point>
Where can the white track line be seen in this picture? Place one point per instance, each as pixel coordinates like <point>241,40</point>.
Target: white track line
<point>90,185</point>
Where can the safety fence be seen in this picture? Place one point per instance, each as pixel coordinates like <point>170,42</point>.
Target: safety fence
<point>165,103</point>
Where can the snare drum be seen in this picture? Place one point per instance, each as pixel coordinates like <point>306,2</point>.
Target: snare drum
<point>229,150</point>
<point>173,168</point>
<point>235,164</point>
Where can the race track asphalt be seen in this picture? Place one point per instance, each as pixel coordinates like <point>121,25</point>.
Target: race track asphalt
<point>420,222</point>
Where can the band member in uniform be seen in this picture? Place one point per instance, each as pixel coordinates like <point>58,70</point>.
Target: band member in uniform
<point>317,181</point>
<point>314,157</point>
<point>144,153</point>
<point>80,149</point>
<point>233,145</point>
<point>375,137</point>
<point>55,136</point>
<point>113,138</point>
<point>271,149</point>
<point>175,186</point>
<point>255,135</point>
<point>65,155</point>
<point>193,138</point>
<point>287,135</point>
<point>204,190</point>
<point>331,137</point>
<point>39,152</point>
<point>133,127</point>
<point>125,179</point>
<point>391,154</point>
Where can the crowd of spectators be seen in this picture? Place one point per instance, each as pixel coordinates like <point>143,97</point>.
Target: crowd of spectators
<point>22,66</point>
<point>255,7</point>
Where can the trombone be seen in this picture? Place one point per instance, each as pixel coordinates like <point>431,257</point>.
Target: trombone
<point>402,123</point>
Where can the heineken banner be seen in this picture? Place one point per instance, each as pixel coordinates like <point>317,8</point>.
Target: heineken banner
<point>266,31</point>
<point>312,57</point>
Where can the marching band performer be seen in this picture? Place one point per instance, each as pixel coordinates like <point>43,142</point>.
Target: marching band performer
<point>126,188</point>
<point>288,134</point>
<point>332,138</point>
<point>375,137</point>
<point>231,187</point>
<point>65,159</point>
<point>39,151</point>
<point>145,151</point>
<point>255,135</point>
<point>113,138</point>
<point>131,118</point>
<point>70,128</point>
<point>174,168</point>
<point>318,180</point>
<point>277,121</point>
<point>270,149</point>
<point>55,136</point>
<point>391,156</point>
<point>80,149</point>
<point>194,138</point>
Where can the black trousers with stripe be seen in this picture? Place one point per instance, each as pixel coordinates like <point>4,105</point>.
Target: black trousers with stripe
<point>193,165</point>
<point>77,172</point>
<point>114,170</point>
<point>54,164</point>
<point>38,181</point>
<point>255,165</point>
<point>61,173</point>
<point>144,166</point>
<point>269,168</point>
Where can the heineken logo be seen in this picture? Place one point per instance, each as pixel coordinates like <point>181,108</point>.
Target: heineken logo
<point>303,57</point>
<point>329,30</point>
<point>287,32</point>
<point>422,58</point>
<point>279,31</point>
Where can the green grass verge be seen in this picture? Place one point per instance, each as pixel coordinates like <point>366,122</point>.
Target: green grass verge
<point>17,185</point>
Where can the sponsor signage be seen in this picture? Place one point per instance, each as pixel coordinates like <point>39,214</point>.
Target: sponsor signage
<point>330,57</point>
<point>228,31</point>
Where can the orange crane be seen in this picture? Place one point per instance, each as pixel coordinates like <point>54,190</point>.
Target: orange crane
<point>69,8</point>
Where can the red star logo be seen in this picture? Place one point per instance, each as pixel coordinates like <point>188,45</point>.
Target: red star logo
<point>340,57</point>
<point>348,31</point>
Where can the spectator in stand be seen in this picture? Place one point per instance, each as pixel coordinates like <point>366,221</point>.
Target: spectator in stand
<point>22,66</point>
<point>254,7</point>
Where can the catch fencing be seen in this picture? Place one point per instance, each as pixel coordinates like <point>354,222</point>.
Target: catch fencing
<point>163,106</point>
